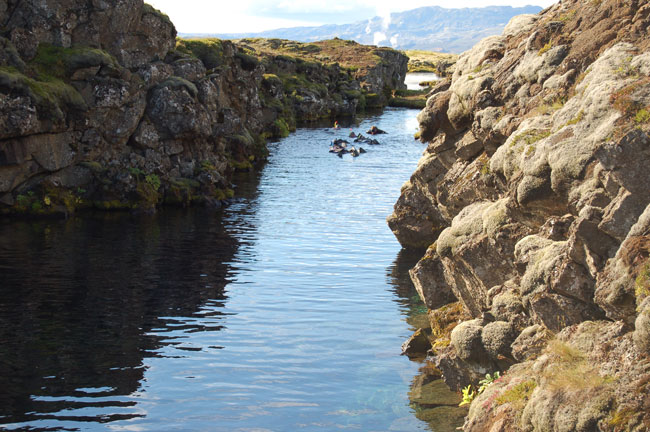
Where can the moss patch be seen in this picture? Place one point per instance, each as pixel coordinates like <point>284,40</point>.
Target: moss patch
<point>58,62</point>
<point>518,394</point>
<point>209,51</point>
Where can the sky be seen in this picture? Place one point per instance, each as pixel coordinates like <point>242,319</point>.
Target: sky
<point>248,16</point>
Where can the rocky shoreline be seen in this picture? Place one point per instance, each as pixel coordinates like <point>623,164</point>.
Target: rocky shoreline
<point>128,117</point>
<point>532,200</point>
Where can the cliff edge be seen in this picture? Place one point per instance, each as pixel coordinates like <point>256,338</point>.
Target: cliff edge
<point>532,199</point>
<point>102,107</point>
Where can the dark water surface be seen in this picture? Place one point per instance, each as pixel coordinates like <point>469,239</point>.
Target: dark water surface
<point>283,312</point>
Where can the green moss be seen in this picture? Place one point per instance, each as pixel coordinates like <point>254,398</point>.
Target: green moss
<point>50,96</point>
<point>280,128</point>
<point>417,103</point>
<point>577,119</point>
<point>210,51</point>
<point>530,137</point>
<point>113,205</point>
<point>530,150</point>
<point>247,61</point>
<point>182,191</point>
<point>148,9</point>
<point>95,167</point>
<point>222,194</point>
<point>485,168</point>
<point>373,100</point>
<point>178,82</point>
<point>545,48</point>
<point>58,62</point>
<point>518,394</point>
<point>642,116</point>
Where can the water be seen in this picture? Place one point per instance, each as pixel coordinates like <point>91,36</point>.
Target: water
<point>413,80</point>
<point>283,312</point>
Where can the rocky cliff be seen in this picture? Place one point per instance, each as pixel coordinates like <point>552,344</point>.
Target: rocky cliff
<point>101,106</point>
<point>532,199</point>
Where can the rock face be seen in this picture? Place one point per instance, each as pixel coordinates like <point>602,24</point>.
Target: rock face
<point>94,114</point>
<point>533,198</point>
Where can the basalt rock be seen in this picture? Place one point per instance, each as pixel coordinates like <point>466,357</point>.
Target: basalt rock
<point>96,114</point>
<point>533,200</point>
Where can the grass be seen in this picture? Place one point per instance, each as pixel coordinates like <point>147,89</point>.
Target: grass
<point>642,283</point>
<point>427,61</point>
<point>348,54</point>
<point>571,370</point>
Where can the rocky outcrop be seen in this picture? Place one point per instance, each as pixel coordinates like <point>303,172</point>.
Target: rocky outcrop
<point>109,116</point>
<point>533,200</point>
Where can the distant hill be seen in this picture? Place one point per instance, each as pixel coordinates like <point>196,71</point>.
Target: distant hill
<point>428,28</point>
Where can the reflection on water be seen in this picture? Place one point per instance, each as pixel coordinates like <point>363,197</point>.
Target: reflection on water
<point>285,311</point>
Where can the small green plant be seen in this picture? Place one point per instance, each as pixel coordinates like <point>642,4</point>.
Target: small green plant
<point>153,180</point>
<point>22,200</point>
<point>470,77</point>
<point>136,172</point>
<point>468,396</point>
<point>489,379</point>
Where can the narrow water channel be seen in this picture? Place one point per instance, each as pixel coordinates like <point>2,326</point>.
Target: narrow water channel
<point>283,312</point>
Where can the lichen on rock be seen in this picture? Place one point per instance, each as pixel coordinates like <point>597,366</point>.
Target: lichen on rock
<point>536,171</point>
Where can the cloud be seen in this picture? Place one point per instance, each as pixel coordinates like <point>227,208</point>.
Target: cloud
<point>379,37</point>
<point>208,16</point>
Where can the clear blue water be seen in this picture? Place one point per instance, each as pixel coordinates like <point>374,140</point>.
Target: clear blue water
<point>283,312</point>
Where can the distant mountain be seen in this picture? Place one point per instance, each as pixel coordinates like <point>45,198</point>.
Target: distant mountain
<point>429,28</point>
